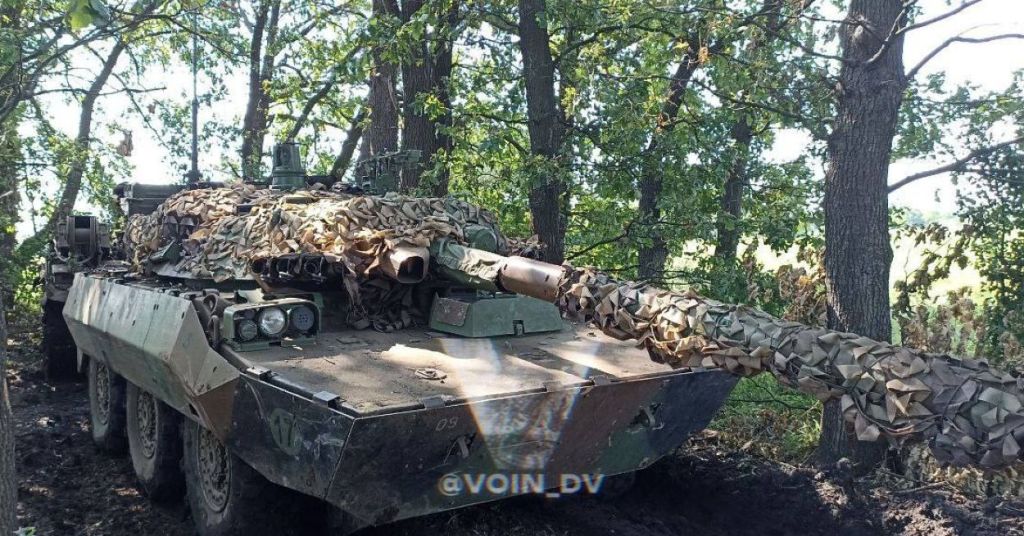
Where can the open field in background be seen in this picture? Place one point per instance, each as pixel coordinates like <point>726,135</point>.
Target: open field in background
<point>907,257</point>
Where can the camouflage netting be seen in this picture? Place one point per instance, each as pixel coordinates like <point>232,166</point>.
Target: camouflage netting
<point>220,242</point>
<point>920,465</point>
<point>969,413</point>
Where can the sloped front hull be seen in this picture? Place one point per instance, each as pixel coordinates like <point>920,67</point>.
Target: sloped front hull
<point>387,467</point>
<point>155,341</point>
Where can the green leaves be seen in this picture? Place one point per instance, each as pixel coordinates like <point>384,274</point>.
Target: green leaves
<point>84,13</point>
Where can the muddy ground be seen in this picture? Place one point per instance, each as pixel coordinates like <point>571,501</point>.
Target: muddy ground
<point>66,487</point>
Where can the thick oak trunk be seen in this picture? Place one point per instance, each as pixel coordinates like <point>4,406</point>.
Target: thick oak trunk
<point>381,135</point>
<point>425,73</point>
<point>261,69</point>
<point>546,126</point>
<point>249,121</point>
<point>857,247</point>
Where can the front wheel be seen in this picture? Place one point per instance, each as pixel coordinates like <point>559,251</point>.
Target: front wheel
<point>228,497</point>
<point>106,408</point>
<point>154,443</point>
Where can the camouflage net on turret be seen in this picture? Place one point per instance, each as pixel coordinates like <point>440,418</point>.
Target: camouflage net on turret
<point>969,413</point>
<point>220,242</point>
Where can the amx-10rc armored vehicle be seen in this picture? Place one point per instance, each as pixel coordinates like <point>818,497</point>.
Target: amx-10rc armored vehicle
<point>388,355</point>
<point>393,356</point>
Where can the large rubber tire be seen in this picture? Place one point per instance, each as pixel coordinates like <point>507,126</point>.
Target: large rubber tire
<point>154,442</point>
<point>107,408</point>
<point>228,497</point>
<point>60,356</point>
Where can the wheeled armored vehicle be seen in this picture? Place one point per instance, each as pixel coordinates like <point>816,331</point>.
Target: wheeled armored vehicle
<point>291,345</point>
<point>81,242</point>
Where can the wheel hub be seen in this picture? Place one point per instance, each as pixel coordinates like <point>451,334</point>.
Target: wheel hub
<point>102,393</point>
<point>146,417</point>
<point>214,475</point>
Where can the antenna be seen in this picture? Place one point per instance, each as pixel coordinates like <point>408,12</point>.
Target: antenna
<point>193,175</point>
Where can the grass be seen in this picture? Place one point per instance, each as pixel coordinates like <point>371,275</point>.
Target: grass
<point>772,421</point>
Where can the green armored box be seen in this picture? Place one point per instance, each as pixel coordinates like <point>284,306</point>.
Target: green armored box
<point>493,315</point>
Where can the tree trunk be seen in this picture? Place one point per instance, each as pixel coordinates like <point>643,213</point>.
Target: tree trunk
<point>652,257</point>
<point>249,122</point>
<point>731,203</point>
<point>348,147</point>
<point>381,135</point>
<point>443,65</point>
<point>10,155</point>
<point>425,72</point>
<point>727,226</point>
<point>261,71</point>
<point>74,181</point>
<point>313,102</point>
<point>857,245</point>
<point>546,125</point>
<point>418,132</point>
<point>8,477</point>
<point>80,159</point>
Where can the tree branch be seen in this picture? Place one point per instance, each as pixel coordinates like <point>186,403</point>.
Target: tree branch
<point>942,17</point>
<point>956,165</point>
<point>958,39</point>
<point>622,236</point>
<point>894,32</point>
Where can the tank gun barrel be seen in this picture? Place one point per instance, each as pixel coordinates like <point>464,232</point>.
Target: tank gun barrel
<point>488,271</point>
<point>970,413</point>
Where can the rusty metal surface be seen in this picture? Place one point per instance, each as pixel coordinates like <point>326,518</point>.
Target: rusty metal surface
<point>155,341</point>
<point>374,371</point>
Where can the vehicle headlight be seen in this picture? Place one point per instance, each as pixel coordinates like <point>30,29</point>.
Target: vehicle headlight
<point>271,321</point>
<point>246,330</point>
<point>302,318</point>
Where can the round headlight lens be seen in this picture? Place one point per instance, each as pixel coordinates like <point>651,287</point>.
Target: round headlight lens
<point>271,321</point>
<point>303,318</point>
<point>246,330</point>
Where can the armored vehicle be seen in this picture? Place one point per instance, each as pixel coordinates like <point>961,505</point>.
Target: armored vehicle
<point>83,242</point>
<point>80,242</point>
<point>386,355</point>
<point>392,356</point>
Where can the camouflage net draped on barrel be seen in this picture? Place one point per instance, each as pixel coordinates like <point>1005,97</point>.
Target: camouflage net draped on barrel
<point>969,413</point>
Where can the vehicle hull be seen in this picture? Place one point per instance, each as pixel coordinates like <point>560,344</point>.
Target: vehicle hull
<point>393,426</point>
